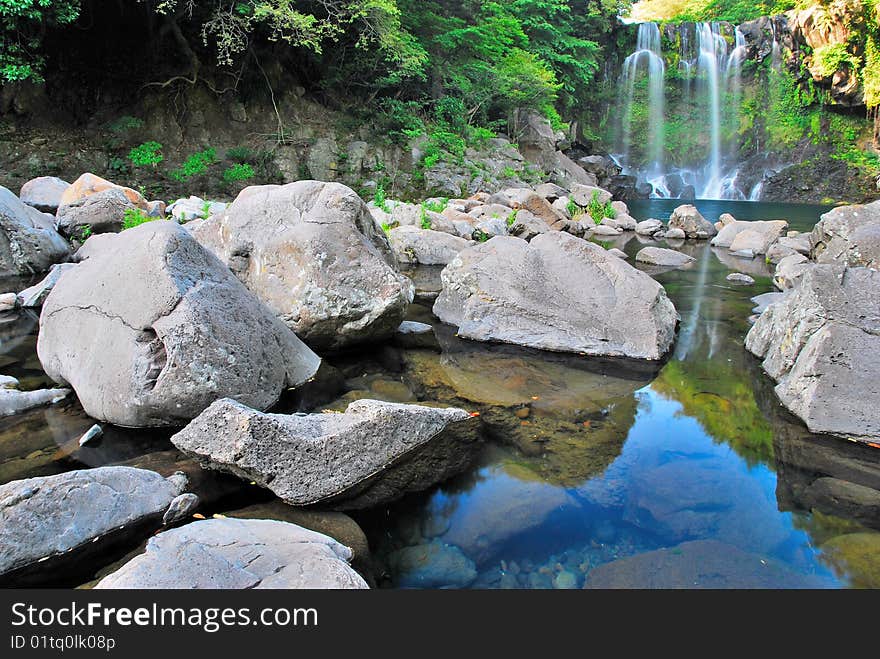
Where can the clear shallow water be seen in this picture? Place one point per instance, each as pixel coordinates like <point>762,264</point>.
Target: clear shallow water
<point>598,473</point>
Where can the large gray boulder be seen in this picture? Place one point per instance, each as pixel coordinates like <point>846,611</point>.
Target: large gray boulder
<point>511,291</point>
<point>154,329</point>
<point>687,218</point>
<point>43,193</point>
<point>821,343</point>
<point>848,235</point>
<point>29,242</point>
<point>372,453</point>
<point>47,519</point>
<point>424,246</point>
<point>312,253</point>
<point>238,554</point>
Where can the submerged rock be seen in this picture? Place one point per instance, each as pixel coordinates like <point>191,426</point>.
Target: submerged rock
<point>664,257</point>
<point>46,519</point>
<point>740,279</point>
<point>28,240</point>
<point>312,253</point>
<point>177,331</point>
<point>848,235</point>
<point>687,218</point>
<point>371,454</point>
<point>237,554</point>
<point>698,564</point>
<point>511,291</point>
<point>822,345</point>
<point>13,401</point>
<point>855,557</point>
<point>432,565</point>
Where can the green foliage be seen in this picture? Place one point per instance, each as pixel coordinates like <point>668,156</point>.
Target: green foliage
<point>599,211</point>
<point>424,220</point>
<point>830,58</point>
<point>195,164</point>
<point>23,24</point>
<point>379,198</point>
<point>85,232</point>
<point>511,218</point>
<point>437,206</point>
<point>386,227</point>
<point>508,172</point>
<point>146,154</point>
<point>865,161</point>
<point>480,236</point>
<point>735,11</point>
<point>238,172</point>
<point>134,217</point>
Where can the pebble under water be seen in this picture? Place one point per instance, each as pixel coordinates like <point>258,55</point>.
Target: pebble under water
<point>596,473</point>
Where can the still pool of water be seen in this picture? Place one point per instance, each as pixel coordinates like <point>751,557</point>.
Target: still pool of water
<point>595,473</point>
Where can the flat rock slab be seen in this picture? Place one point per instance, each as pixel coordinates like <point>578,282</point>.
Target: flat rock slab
<point>821,344</point>
<point>425,246</point>
<point>511,291</point>
<point>49,517</point>
<point>13,401</point>
<point>152,329</point>
<point>238,554</point>
<point>698,564</point>
<point>356,458</point>
<point>664,257</point>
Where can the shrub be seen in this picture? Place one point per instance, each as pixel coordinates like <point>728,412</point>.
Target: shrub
<point>148,153</point>
<point>238,172</point>
<point>511,218</point>
<point>599,211</point>
<point>135,217</point>
<point>436,206</point>
<point>379,198</point>
<point>196,164</point>
<point>508,172</point>
<point>85,232</point>
<point>425,220</point>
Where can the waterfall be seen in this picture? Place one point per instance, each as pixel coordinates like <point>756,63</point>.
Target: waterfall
<point>647,57</point>
<point>710,78</point>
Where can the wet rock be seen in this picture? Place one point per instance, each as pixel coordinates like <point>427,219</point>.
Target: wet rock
<point>13,401</point>
<point>180,508</point>
<point>603,230</point>
<point>35,295</point>
<point>664,257</point>
<point>822,345</point>
<point>102,212</point>
<point>8,302</point>
<point>739,279</point>
<point>516,292</point>
<point>433,565</point>
<point>688,219</point>
<point>29,242</point>
<point>790,270</point>
<point>424,246</point>
<point>674,234</point>
<point>698,564</point>
<point>43,193</point>
<point>91,434</point>
<point>311,252</point>
<point>855,557</point>
<point>371,454</point>
<point>845,499</point>
<point>765,300</point>
<point>411,334</point>
<point>848,235</point>
<point>649,227</point>
<point>47,519</point>
<point>177,332</point>
<point>235,554</point>
<point>565,580</point>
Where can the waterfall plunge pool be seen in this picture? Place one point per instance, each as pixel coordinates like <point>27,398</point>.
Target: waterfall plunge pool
<point>596,473</point>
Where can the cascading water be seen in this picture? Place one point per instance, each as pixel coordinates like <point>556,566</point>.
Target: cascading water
<point>646,58</point>
<point>710,78</point>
